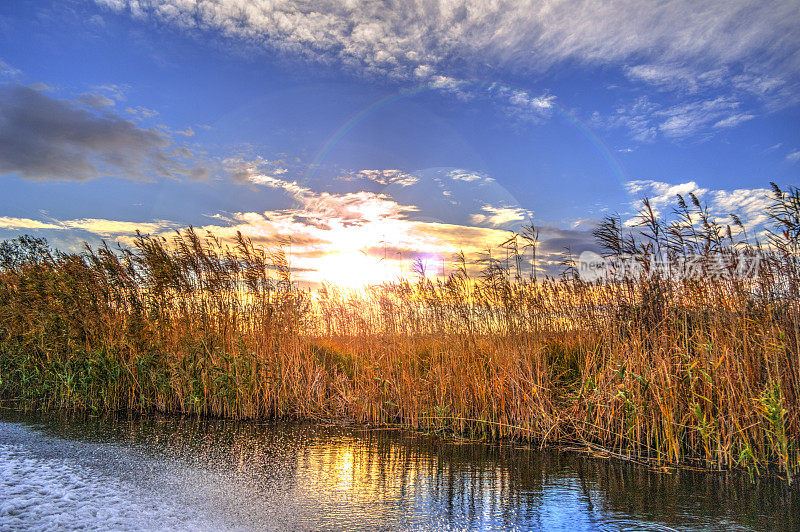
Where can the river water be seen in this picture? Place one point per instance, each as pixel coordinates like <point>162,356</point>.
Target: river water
<point>165,473</point>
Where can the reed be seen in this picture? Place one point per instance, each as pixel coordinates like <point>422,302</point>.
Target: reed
<point>671,369</point>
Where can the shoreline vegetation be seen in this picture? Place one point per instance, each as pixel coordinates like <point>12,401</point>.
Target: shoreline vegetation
<point>694,370</point>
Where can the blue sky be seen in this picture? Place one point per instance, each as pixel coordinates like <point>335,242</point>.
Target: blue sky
<point>376,132</point>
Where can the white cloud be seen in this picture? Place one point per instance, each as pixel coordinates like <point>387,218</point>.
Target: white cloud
<point>773,90</point>
<point>662,194</point>
<point>463,175</point>
<point>646,120</point>
<point>21,224</point>
<point>732,48</point>
<point>676,77</point>
<point>98,226</point>
<point>749,204</point>
<point>683,120</point>
<point>110,228</point>
<point>637,118</point>
<point>521,103</point>
<point>444,82</point>
<point>388,177</point>
<point>401,38</point>
<point>499,216</point>
<point>260,171</point>
<point>292,187</point>
<point>734,120</point>
<point>793,156</point>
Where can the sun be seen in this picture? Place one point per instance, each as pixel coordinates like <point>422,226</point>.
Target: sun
<point>355,269</point>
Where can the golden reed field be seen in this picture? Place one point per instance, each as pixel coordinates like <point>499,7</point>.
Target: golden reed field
<point>696,368</point>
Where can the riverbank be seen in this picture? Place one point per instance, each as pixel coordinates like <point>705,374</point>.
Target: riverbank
<point>477,388</point>
<point>716,408</point>
<point>694,370</point>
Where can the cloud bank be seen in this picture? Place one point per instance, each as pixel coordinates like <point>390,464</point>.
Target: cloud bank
<point>44,138</point>
<point>725,61</point>
<point>421,39</point>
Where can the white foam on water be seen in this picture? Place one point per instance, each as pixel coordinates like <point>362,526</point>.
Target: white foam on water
<point>50,493</point>
<point>52,484</point>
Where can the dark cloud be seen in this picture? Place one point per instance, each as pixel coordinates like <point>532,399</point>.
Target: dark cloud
<point>44,138</point>
<point>555,240</point>
<point>96,101</point>
<point>575,245</point>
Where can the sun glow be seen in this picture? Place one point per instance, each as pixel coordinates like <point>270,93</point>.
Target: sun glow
<point>414,224</point>
<point>351,270</point>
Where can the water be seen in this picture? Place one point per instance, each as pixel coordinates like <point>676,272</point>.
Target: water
<point>66,472</point>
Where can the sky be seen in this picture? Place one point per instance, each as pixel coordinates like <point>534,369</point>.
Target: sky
<point>364,135</point>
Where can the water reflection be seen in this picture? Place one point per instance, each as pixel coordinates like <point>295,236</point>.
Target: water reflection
<point>219,474</point>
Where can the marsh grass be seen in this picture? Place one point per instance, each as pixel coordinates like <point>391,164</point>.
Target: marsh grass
<point>668,369</point>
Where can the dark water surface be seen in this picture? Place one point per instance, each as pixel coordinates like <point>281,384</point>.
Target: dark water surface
<point>67,472</point>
